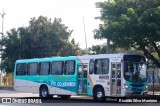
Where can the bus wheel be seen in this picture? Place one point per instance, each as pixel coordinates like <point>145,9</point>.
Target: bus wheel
<point>44,92</point>
<point>65,96</point>
<point>99,94</point>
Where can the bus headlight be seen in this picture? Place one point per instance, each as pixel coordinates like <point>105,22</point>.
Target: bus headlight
<point>127,87</point>
<point>146,88</point>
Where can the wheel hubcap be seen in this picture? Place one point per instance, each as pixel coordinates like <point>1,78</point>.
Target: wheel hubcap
<point>99,94</point>
<point>44,93</point>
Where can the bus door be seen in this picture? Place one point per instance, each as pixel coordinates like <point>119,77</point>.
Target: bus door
<point>82,79</point>
<point>116,78</point>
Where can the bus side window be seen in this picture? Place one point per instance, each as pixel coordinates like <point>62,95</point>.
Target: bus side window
<point>101,66</point>
<point>21,69</point>
<point>91,66</point>
<point>105,66</point>
<point>57,68</point>
<point>98,66</point>
<point>69,67</point>
<point>44,68</point>
<point>32,68</point>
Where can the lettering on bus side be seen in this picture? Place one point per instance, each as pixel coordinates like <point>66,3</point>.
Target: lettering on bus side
<point>63,84</point>
<point>101,81</point>
<point>103,77</point>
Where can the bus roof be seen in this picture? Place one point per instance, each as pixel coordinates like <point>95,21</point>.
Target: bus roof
<point>45,59</point>
<point>119,55</point>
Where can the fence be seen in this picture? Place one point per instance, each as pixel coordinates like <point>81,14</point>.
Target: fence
<point>153,77</point>
<point>6,79</point>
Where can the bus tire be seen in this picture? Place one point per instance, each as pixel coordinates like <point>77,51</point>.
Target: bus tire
<point>44,92</point>
<point>99,94</point>
<point>65,96</point>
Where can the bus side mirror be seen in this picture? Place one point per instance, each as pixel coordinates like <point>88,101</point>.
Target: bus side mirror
<point>148,66</point>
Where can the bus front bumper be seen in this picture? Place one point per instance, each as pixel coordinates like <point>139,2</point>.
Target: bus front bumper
<point>136,93</point>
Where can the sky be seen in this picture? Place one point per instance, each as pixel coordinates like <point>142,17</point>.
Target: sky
<point>19,12</point>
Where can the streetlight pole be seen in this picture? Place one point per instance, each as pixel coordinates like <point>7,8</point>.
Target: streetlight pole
<point>2,33</point>
<point>85,33</point>
<point>2,22</point>
<point>2,44</point>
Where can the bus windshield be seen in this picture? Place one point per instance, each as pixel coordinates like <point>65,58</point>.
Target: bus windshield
<point>135,71</point>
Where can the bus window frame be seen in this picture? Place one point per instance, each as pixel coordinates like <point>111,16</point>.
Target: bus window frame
<point>39,68</point>
<point>28,71</point>
<point>95,63</point>
<point>21,71</point>
<point>65,70</point>
<point>62,68</point>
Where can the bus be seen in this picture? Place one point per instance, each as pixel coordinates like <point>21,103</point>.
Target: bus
<point>99,76</point>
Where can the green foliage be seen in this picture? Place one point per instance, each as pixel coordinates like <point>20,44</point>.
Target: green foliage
<point>101,49</point>
<point>131,23</point>
<point>97,49</point>
<point>42,38</point>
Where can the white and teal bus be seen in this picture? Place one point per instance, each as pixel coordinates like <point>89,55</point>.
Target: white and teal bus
<point>99,76</point>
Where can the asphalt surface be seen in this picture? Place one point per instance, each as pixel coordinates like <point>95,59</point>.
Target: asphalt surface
<point>28,99</point>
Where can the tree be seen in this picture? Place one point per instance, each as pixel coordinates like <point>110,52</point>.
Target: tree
<point>132,23</point>
<point>42,38</point>
<point>97,49</point>
<point>101,49</point>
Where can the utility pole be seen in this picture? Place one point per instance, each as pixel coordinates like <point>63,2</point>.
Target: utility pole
<point>1,46</point>
<point>85,32</point>
<point>2,34</point>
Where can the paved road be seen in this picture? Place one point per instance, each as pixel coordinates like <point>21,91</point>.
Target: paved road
<point>85,104</point>
<point>73,101</point>
<point>11,93</point>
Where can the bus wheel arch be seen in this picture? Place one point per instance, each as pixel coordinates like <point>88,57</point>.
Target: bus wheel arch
<point>43,91</point>
<point>98,93</point>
